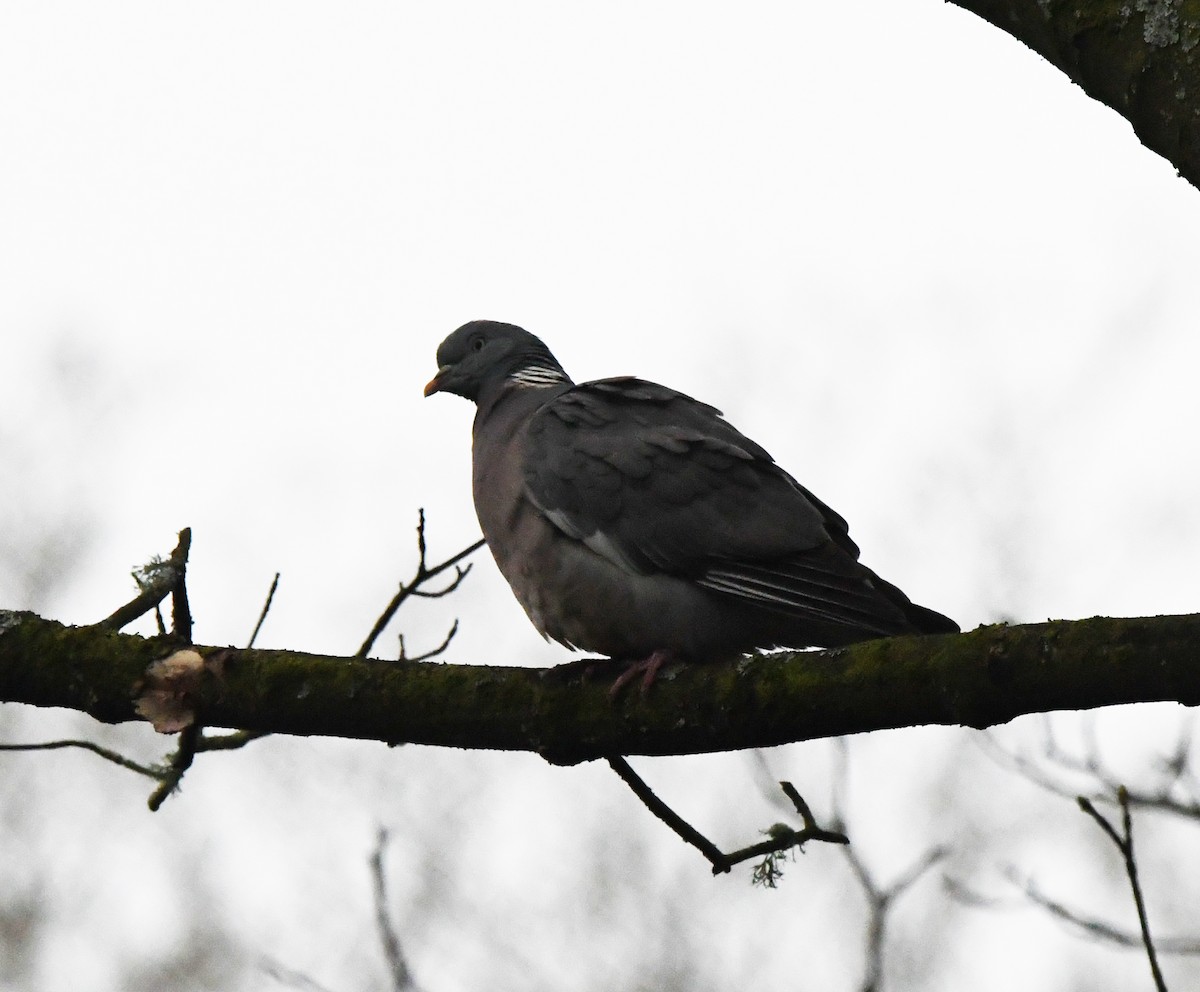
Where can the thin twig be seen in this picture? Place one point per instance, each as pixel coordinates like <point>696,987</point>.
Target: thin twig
<point>1176,766</point>
<point>783,838</point>
<point>965,895</point>
<point>156,581</point>
<point>228,742</point>
<point>672,819</point>
<point>879,904</point>
<point>150,771</point>
<point>459,575</point>
<point>402,980</point>
<point>880,899</point>
<point>181,627</point>
<point>198,742</point>
<point>1124,842</point>
<point>240,738</point>
<point>181,613</point>
<point>412,588</point>
<point>429,654</point>
<point>1088,926</point>
<point>181,761</point>
<point>266,608</point>
<point>286,976</point>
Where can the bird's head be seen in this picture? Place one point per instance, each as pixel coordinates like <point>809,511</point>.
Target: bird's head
<point>485,353</point>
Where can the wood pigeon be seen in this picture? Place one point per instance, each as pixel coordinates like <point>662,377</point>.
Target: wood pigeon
<point>634,521</point>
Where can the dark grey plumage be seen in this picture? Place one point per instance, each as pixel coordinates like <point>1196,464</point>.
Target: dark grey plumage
<point>635,521</point>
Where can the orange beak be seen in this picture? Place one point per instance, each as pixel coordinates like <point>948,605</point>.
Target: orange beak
<point>434,384</point>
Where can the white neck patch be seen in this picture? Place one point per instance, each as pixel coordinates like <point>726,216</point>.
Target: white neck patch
<point>537,376</point>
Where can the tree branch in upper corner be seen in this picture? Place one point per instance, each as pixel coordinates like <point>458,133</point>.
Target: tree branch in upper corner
<point>1141,59</point>
<point>978,679</point>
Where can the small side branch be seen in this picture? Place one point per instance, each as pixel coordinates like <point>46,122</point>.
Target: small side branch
<point>166,690</point>
<point>1176,791</point>
<point>157,580</point>
<point>180,762</point>
<point>402,980</point>
<point>782,838</point>
<point>265,610</point>
<point>1124,843</point>
<point>413,587</point>
<point>1098,929</point>
<point>1088,926</point>
<point>880,899</point>
<point>150,771</point>
<point>685,830</point>
<point>425,656</point>
<point>181,611</point>
<point>228,742</point>
<point>289,978</point>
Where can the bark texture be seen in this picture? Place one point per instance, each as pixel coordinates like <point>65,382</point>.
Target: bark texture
<point>1140,57</point>
<point>978,679</point>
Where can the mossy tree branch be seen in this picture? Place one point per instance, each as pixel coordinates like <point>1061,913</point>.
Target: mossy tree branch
<point>1139,57</point>
<point>978,679</point>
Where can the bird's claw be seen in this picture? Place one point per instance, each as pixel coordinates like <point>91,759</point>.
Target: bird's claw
<point>647,668</point>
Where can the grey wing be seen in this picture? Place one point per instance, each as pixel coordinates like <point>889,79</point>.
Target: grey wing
<point>655,481</point>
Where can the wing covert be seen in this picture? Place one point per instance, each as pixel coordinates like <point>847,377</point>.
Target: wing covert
<point>657,481</point>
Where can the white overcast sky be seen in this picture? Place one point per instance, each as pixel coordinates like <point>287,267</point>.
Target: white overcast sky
<point>951,294</point>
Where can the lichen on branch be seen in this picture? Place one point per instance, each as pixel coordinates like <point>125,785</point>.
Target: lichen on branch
<point>978,679</point>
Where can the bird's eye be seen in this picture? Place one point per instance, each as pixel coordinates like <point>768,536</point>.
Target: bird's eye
<point>477,344</point>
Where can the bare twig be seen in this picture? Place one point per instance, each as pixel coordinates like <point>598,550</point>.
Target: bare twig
<point>413,587</point>
<point>401,976</point>
<point>155,580</point>
<point>768,872</point>
<point>180,762</point>
<point>1124,843</point>
<point>287,977</point>
<point>240,738</point>
<point>879,904</point>
<point>880,899</point>
<point>783,838</point>
<point>181,627</point>
<point>965,895</point>
<point>193,741</point>
<point>672,819</point>
<point>160,578</point>
<point>429,654</point>
<point>150,771</point>
<point>459,575</point>
<point>228,742</point>
<point>168,776</point>
<point>1101,930</point>
<point>402,980</point>
<point>181,612</point>
<point>266,609</point>
<point>1178,794</point>
<point>1088,926</point>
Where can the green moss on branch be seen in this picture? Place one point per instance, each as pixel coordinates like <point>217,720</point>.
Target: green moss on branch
<point>978,679</point>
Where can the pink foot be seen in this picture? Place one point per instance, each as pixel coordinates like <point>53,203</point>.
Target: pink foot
<point>647,668</point>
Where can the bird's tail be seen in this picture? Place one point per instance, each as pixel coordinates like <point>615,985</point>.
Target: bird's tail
<point>929,621</point>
